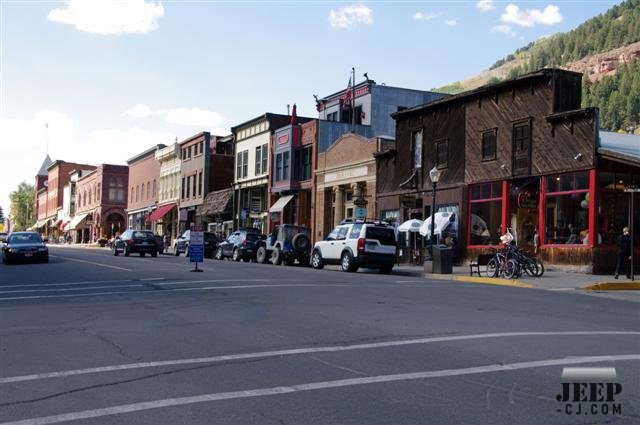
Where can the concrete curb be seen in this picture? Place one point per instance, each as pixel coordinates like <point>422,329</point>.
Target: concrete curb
<point>481,280</point>
<point>612,286</point>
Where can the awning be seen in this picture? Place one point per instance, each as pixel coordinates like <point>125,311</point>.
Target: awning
<point>64,223</point>
<point>618,147</point>
<point>281,203</point>
<point>217,202</point>
<point>160,212</point>
<point>75,221</point>
<point>40,223</point>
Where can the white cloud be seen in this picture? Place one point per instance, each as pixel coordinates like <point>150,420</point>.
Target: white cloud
<point>110,17</point>
<point>194,117</point>
<point>550,15</point>
<point>139,111</point>
<point>504,29</point>
<point>350,16</point>
<point>451,22</point>
<point>485,5</point>
<point>422,16</point>
<point>29,146</point>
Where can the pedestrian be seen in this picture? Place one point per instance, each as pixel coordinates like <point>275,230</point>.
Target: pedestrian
<point>167,242</point>
<point>624,252</point>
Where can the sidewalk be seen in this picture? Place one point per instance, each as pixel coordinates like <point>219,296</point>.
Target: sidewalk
<point>554,280</point>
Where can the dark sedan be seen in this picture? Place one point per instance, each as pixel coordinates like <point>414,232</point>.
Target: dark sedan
<point>182,244</point>
<point>24,246</point>
<point>240,245</point>
<point>135,241</point>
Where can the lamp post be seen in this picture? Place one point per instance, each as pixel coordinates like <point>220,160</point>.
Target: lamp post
<point>434,175</point>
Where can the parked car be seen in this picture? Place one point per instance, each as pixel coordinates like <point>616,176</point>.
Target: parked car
<point>135,241</point>
<point>287,243</point>
<point>25,246</point>
<point>240,245</point>
<point>357,244</point>
<point>182,244</point>
<point>3,237</point>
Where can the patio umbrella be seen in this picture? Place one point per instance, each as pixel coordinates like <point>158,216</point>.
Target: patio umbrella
<point>412,225</point>
<point>442,221</point>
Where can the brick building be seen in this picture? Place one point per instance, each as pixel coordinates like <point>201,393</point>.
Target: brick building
<point>101,200</point>
<point>207,165</point>
<point>143,184</point>
<point>166,215</point>
<point>346,178</point>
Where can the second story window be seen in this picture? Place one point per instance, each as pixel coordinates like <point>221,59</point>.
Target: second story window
<point>242,164</point>
<point>285,165</point>
<point>200,183</point>
<point>265,157</point>
<point>442,153</point>
<point>182,194</point>
<point>416,149</point>
<point>278,167</point>
<point>489,145</point>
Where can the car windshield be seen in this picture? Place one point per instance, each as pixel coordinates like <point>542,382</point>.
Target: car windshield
<point>143,235</point>
<point>25,238</point>
<point>384,235</point>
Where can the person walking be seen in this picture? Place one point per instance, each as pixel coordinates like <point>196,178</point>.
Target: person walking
<point>624,253</point>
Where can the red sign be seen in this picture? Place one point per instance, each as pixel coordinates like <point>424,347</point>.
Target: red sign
<point>528,200</point>
<point>283,139</point>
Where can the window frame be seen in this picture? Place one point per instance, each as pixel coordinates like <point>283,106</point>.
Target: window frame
<point>481,200</point>
<point>493,132</point>
<point>438,145</point>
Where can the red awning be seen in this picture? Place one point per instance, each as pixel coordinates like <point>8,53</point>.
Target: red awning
<point>160,212</point>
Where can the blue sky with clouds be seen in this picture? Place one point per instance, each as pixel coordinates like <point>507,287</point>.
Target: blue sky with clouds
<point>113,78</point>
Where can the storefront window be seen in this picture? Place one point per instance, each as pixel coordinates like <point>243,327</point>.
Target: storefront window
<point>567,209</point>
<point>614,205</point>
<point>485,206</point>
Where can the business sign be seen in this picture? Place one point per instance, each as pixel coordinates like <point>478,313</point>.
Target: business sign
<point>528,200</point>
<point>196,244</point>
<point>361,213</point>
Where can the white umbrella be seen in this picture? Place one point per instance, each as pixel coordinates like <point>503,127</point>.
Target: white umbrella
<point>412,225</point>
<point>442,221</point>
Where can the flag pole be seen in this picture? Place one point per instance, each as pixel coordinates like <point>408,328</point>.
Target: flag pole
<point>353,99</point>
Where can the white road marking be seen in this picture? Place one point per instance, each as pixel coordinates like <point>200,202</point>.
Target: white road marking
<point>84,288</point>
<point>297,351</point>
<point>322,385</point>
<point>152,278</point>
<point>26,285</point>
<point>92,262</point>
<point>165,291</point>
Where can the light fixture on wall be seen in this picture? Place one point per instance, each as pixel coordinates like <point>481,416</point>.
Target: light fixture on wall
<point>578,156</point>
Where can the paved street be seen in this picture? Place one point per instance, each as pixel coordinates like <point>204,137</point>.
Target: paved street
<point>94,339</point>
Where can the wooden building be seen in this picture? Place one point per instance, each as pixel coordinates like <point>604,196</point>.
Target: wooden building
<point>518,155</point>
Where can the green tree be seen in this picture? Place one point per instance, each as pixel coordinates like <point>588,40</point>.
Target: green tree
<point>22,206</point>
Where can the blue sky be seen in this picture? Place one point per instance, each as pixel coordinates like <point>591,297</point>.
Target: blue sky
<point>112,79</point>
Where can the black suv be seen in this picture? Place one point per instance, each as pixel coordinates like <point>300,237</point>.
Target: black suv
<point>240,245</point>
<point>182,244</point>
<point>287,243</point>
<point>132,241</point>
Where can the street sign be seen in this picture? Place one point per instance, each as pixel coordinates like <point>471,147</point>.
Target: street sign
<point>361,213</point>
<point>196,244</point>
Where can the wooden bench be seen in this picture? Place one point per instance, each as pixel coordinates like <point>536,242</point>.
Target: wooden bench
<point>481,260</point>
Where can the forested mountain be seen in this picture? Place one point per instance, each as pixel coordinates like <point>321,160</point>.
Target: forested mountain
<point>612,85</point>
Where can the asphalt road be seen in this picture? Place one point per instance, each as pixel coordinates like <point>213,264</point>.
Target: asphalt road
<point>94,339</point>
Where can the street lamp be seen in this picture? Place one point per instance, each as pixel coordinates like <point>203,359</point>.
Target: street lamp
<point>434,175</point>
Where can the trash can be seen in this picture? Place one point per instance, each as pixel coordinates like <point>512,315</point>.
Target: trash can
<point>442,259</point>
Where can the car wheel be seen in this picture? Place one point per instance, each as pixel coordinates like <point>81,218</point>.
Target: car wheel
<point>219,254</point>
<point>176,251</point>
<point>126,252</point>
<point>276,256</point>
<point>154,254</point>
<point>261,255</point>
<point>236,255</point>
<point>115,250</point>
<point>347,262</point>
<point>386,269</point>
<point>142,254</point>
<point>316,260</point>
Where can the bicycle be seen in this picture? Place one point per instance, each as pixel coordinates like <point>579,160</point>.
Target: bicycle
<point>502,265</point>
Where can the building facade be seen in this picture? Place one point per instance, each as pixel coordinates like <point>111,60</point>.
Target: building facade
<point>252,166</point>
<point>207,165</point>
<point>101,200</point>
<point>166,216</point>
<point>518,155</point>
<point>143,185</point>
<point>346,181</point>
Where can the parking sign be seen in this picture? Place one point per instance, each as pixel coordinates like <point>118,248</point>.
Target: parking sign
<point>196,244</point>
